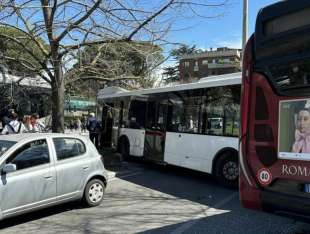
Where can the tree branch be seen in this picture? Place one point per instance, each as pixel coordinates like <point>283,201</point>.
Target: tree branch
<point>26,64</point>
<point>44,67</point>
<point>149,19</point>
<point>78,22</point>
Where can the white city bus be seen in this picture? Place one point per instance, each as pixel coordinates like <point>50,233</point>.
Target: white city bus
<point>193,125</point>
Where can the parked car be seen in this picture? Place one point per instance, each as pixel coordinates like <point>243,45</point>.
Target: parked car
<point>41,170</point>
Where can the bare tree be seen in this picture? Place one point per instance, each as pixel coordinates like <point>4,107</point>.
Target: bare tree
<point>67,26</point>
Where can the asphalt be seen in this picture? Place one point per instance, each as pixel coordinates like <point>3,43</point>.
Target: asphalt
<point>147,198</point>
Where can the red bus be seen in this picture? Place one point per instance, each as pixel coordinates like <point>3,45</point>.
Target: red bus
<point>275,112</point>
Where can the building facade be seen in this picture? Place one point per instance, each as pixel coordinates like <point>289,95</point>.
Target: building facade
<point>209,63</point>
<point>26,95</point>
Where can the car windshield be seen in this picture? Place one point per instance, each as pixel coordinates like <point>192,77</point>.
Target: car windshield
<point>5,145</point>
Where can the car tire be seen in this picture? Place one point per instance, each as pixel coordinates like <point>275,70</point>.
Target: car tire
<point>124,150</point>
<point>227,170</point>
<point>93,193</point>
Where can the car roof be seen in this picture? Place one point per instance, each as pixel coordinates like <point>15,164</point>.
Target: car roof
<point>34,136</point>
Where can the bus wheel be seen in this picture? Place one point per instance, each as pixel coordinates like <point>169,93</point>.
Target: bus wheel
<point>227,170</point>
<point>124,150</point>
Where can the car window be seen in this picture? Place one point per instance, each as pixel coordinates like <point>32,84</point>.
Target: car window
<point>68,148</point>
<point>5,145</point>
<point>31,154</point>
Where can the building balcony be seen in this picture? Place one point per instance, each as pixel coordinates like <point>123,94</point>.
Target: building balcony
<point>222,65</point>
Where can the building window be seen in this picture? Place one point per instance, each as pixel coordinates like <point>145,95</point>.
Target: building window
<point>196,67</point>
<point>186,64</point>
<point>205,62</point>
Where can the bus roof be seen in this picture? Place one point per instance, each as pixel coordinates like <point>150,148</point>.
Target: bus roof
<point>211,81</point>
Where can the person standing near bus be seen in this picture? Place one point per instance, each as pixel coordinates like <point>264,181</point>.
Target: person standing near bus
<point>94,128</point>
<point>14,126</point>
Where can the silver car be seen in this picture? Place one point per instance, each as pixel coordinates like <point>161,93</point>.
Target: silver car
<point>40,170</point>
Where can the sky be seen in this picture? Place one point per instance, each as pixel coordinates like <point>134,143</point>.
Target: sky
<point>220,31</point>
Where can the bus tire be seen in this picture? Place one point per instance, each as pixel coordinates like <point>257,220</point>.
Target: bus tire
<point>124,149</point>
<point>226,169</point>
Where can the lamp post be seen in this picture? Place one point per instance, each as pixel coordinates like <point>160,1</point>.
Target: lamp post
<point>244,24</point>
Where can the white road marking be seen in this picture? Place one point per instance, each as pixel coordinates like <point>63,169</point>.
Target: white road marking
<point>208,211</point>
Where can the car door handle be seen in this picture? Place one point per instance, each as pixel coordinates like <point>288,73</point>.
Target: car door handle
<point>85,168</point>
<point>48,177</point>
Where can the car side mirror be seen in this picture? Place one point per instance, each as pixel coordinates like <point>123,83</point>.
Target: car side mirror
<point>8,168</point>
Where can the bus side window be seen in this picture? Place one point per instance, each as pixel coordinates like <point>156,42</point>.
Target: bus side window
<point>151,115</point>
<point>136,116</point>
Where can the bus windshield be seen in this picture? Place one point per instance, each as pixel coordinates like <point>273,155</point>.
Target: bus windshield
<point>289,76</point>
<point>5,145</point>
<point>281,49</point>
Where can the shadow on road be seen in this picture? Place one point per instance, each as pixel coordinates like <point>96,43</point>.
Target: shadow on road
<point>40,214</point>
<point>219,208</point>
<point>180,182</point>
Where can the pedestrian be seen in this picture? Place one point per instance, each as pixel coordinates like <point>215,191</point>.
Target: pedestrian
<point>78,125</point>
<point>6,119</point>
<point>14,126</point>
<point>84,123</point>
<point>36,125</point>
<point>71,125</point>
<point>94,129</point>
<point>27,123</point>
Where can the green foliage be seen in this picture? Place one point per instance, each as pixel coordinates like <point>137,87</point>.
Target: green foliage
<point>171,73</point>
<point>17,53</point>
<point>183,50</point>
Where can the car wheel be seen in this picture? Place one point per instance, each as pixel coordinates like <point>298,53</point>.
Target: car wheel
<point>124,150</point>
<point>227,170</point>
<point>93,194</point>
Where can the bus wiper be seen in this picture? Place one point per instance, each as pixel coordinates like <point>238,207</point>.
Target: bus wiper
<point>295,87</point>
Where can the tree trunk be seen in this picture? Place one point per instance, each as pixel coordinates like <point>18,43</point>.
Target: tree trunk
<point>58,94</point>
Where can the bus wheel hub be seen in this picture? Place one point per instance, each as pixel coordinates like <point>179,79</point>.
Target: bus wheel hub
<point>230,171</point>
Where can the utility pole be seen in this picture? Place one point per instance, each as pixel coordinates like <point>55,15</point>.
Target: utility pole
<point>245,24</point>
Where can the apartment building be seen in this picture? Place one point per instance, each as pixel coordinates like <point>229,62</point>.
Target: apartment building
<point>209,63</point>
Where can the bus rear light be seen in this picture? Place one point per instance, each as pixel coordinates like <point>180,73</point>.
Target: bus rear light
<point>267,155</point>
<point>263,133</point>
<point>261,108</point>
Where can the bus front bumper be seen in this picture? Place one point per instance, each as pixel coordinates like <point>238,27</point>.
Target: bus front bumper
<point>286,205</point>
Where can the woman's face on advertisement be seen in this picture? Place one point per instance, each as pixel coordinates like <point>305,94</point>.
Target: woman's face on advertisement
<point>304,121</point>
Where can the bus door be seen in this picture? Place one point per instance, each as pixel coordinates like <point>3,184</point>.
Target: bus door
<point>107,125</point>
<point>155,133</point>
